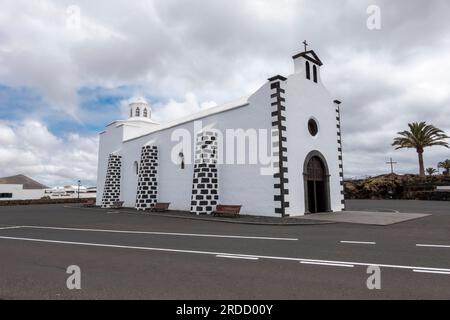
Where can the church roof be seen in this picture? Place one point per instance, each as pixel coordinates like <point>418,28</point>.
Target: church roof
<point>139,119</point>
<point>309,55</point>
<point>27,182</point>
<point>202,114</point>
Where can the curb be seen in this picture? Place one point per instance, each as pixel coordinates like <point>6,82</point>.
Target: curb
<point>309,223</point>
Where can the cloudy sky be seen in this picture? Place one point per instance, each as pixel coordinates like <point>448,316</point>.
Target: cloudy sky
<point>63,78</point>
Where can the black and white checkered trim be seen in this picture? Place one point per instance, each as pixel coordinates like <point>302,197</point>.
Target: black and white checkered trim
<point>279,142</point>
<point>205,189</point>
<point>147,190</point>
<point>111,192</point>
<point>339,141</point>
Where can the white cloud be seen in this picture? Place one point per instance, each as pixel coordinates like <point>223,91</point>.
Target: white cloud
<point>381,95</point>
<point>36,152</point>
<point>7,136</point>
<point>175,110</point>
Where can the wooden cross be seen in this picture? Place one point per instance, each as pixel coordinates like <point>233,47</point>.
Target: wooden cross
<point>391,162</point>
<point>306,45</point>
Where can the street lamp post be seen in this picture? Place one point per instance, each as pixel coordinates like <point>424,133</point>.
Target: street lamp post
<point>79,184</point>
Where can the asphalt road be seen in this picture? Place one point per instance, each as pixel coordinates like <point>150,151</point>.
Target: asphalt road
<point>134,256</point>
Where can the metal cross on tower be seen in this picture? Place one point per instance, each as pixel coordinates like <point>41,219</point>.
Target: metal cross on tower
<point>306,45</point>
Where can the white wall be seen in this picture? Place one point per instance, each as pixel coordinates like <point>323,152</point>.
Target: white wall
<point>238,184</point>
<point>19,193</point>
<point>110,141</point>
<point>133,129</point>
<point>306,99</point>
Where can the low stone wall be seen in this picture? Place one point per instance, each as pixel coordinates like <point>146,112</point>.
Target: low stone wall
<point>43,201</point>
<point>401,187</point>
<point>432,195</point>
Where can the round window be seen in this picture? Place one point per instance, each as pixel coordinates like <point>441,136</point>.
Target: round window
<point>313,127</point>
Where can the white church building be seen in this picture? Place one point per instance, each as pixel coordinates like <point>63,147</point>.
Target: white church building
<point>277,152</point>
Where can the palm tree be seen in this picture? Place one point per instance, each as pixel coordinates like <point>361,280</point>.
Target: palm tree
<point>420,136</point>
<point>431,171</point>
<point>445,165</point>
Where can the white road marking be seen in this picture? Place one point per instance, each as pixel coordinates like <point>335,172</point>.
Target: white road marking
<point>163,233</point>
<point>432,246</point>
<point>364,264</point>
<point>430,271</point>
<point>358,242</point>
<point>8,228</point>
<point>236,257</point>
<point>328,264</point>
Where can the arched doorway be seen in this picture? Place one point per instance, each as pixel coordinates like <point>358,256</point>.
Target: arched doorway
<point>316,183</point>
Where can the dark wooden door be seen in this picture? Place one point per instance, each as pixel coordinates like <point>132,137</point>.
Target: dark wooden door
<point>316,185</point>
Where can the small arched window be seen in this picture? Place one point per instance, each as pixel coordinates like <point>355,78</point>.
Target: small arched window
<point>131,113</point>
<point>145,113</point>
<point>136,167</point>
<point>308,71</point>
<point>138,112</point>
<point>315,73</point>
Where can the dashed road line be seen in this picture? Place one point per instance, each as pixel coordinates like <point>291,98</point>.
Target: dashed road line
<point>432,246</point>
<point>359,242</point>
<point>236,257</point>
<point>432,272</point>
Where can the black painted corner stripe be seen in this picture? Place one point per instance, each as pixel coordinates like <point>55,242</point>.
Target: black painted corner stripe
<point>279,123</point>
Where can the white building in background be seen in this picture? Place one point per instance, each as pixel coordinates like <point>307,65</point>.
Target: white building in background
<point>17,192</point>
<point>71,192</point>
<point>292,121</point>
<point>20,187</point>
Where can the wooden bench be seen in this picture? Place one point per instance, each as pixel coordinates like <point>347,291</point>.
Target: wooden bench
<point>161,207</point>
<point>227,211</point>
<point>89,203</point>
<point>117,205</point>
